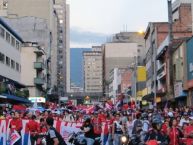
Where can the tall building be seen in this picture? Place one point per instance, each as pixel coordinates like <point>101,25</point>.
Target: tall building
<point>93,78</point>
<point>77,67</point>
<point>55,14</point>
<point>63,52</point>
<point>33,60</point>
<point>121,51</point>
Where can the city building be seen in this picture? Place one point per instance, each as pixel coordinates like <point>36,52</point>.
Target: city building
<point>120,53</point>
<point>96,48</point>
<point>11,88</point>
<point>120,82</point>
<point>93,78</point>
<point>33,70</point>
<point>10,63</point>
<point>55,14</point>
<point>155,34</point>
<point>160,83</point>
<point>63,53</point>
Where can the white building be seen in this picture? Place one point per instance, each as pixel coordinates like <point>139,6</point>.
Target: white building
<point>93,78</point>
<point>10,53</point>
<point>115,82</point>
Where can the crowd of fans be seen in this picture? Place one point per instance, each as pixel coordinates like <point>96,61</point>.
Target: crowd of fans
<point>169,126</point>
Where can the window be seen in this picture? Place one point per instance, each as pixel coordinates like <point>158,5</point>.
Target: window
<point>17,44</point>
<point>13,41</point>
<point>2,57</point>
<point>13,64</point>
<point>8,37</point>
<point>7,61</point>
<point>2,32</point>
<point>17,66</point>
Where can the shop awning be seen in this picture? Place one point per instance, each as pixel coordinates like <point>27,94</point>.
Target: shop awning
<point>148,97</point>
<point>15,98</point>
<point>182,94</point>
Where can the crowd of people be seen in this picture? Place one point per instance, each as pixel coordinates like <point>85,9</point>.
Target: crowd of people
<point>168,126</point>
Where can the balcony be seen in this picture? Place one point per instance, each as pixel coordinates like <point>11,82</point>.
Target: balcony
<point>161,68</point>
<point>38,65</point>
<point>39,52</point>
<point>39,81</point>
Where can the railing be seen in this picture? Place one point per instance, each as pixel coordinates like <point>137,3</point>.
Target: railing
<point>38,65</point>
<point>39,81</point>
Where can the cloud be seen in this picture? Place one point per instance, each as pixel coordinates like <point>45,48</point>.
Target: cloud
<point>81,38</point>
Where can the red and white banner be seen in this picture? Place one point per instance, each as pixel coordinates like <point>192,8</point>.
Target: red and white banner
<point>64,128</point>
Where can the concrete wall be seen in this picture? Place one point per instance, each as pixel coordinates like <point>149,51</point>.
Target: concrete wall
<point>28,73</point>
<point>118,55</point>
<point>37,8</point>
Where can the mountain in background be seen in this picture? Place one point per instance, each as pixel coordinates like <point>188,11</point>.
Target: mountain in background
<point>76,66</point>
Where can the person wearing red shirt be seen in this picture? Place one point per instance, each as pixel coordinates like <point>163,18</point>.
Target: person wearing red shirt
<point>107,127</point>
<point>188,133</point>
<point>41,131</point>
<point>16,125</point>
<point>174,133</point>
<point>165,125</point>
<point>32,127</point>
<point>97,123</point>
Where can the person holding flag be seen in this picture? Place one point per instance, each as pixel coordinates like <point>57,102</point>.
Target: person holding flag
<point>16,127</point>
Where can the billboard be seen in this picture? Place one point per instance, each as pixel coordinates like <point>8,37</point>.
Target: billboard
<point>37,99</point>
<point>141,74</point>
<point>189,57</point>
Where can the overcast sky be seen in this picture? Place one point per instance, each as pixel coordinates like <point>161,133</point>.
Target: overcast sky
<point>92,21</point>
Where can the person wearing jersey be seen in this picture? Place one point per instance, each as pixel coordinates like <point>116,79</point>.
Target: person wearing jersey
<point>52,136</point>
<point>97,124</point>
<point>41,131</point>
<point>88,130</point>
<point>117,130</point>
<point>188,133</point>
<point>129,125</point>
<point>32,127</point>
<point>174,133</point>
<point>16,125</point>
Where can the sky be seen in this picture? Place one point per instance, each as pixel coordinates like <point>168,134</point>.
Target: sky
<point>92,22</point>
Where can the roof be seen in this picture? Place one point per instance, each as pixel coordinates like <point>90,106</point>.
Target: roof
<point>6,26</point>
<point>149,25</point>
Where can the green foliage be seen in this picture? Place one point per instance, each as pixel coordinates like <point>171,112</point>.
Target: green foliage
<point>2,88</point>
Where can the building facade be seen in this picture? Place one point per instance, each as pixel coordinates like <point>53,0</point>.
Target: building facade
<point>10,53</point>
<point>93,78</point>
<point>33,60</point>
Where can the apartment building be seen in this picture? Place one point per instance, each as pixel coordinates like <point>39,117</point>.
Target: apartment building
<point>93,78</point>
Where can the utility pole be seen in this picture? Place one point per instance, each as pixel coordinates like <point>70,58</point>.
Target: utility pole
<point>170,66</point>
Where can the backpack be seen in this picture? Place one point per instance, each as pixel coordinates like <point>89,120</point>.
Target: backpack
<point>136,124</point>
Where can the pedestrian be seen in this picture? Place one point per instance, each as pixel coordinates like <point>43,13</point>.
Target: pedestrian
<point>53,137</point>
<point>16,126</point>
<point>117,130</point>
<point>174,133</point>
<point>88,130</point>
<point>32,126</point>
